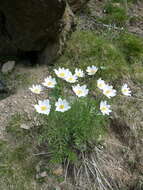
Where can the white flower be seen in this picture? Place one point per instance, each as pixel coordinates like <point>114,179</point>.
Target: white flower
<point>43,107</point>
<point>80,91</point>
<point>71,78</point>
<point>109,91</point>
<point>91,70</point>
<point>126,90</point>
<point>79,73</point>
<point>62,105</point>
<point>49,82</point>
<point>36,89</point>
<point>105,108</point>
<point>101,84</point>
<point>62,72</point>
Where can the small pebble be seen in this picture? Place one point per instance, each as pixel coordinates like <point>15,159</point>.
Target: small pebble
<point>43,174</point>
<point>24,126</point>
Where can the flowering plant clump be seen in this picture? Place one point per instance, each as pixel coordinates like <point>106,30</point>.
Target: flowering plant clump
<point>73,117</point>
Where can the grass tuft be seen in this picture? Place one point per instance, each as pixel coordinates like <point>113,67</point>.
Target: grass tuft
<point>116,14</point>
<point>132,47</point>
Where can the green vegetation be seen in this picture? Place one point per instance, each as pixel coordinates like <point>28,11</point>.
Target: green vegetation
<point>115,13</point>
<point>16,167</point>
<point>124,1</point>
<point>14,129</point>
<point>120,53</point>
<point>15,79</point>
<point>89,48</point>
<point>17,163</point>
<point>132,47</point>
<point>70,133</point>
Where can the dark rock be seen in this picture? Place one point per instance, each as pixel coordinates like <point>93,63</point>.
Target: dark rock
<point>49,54</point>
<point>3,88</point>
<point>76,5</point>
<point>29,25</point>
<point>39,26</point>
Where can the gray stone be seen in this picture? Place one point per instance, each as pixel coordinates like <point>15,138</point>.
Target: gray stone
<point>8,67</point>
<point>24,126</point>
<point>43,174</point>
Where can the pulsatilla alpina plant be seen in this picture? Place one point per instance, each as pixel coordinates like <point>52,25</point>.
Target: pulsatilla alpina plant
<point>73,120</point>
<point>74,131</point>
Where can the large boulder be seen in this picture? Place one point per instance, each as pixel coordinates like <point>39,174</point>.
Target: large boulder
<point>29,25</point>
<point>36,27</point>
<point>55,48</point>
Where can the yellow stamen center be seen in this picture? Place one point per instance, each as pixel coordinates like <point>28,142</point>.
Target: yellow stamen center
<point>79,92</point>
<point>62,74</point>
<point>108,91</point>
<point>100,85</point>
<point>62,106</point>
<point>93,71</point>
<point>125,90</point>
<point>36,90</point>
<point>103,109</point>
<point>43,108</point>
<point>49,83</point>
<point>70,79</point>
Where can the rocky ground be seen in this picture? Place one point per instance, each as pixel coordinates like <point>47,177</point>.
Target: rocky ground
<point>21,100</point>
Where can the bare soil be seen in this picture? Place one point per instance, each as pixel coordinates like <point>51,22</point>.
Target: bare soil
<point>22,100</point>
